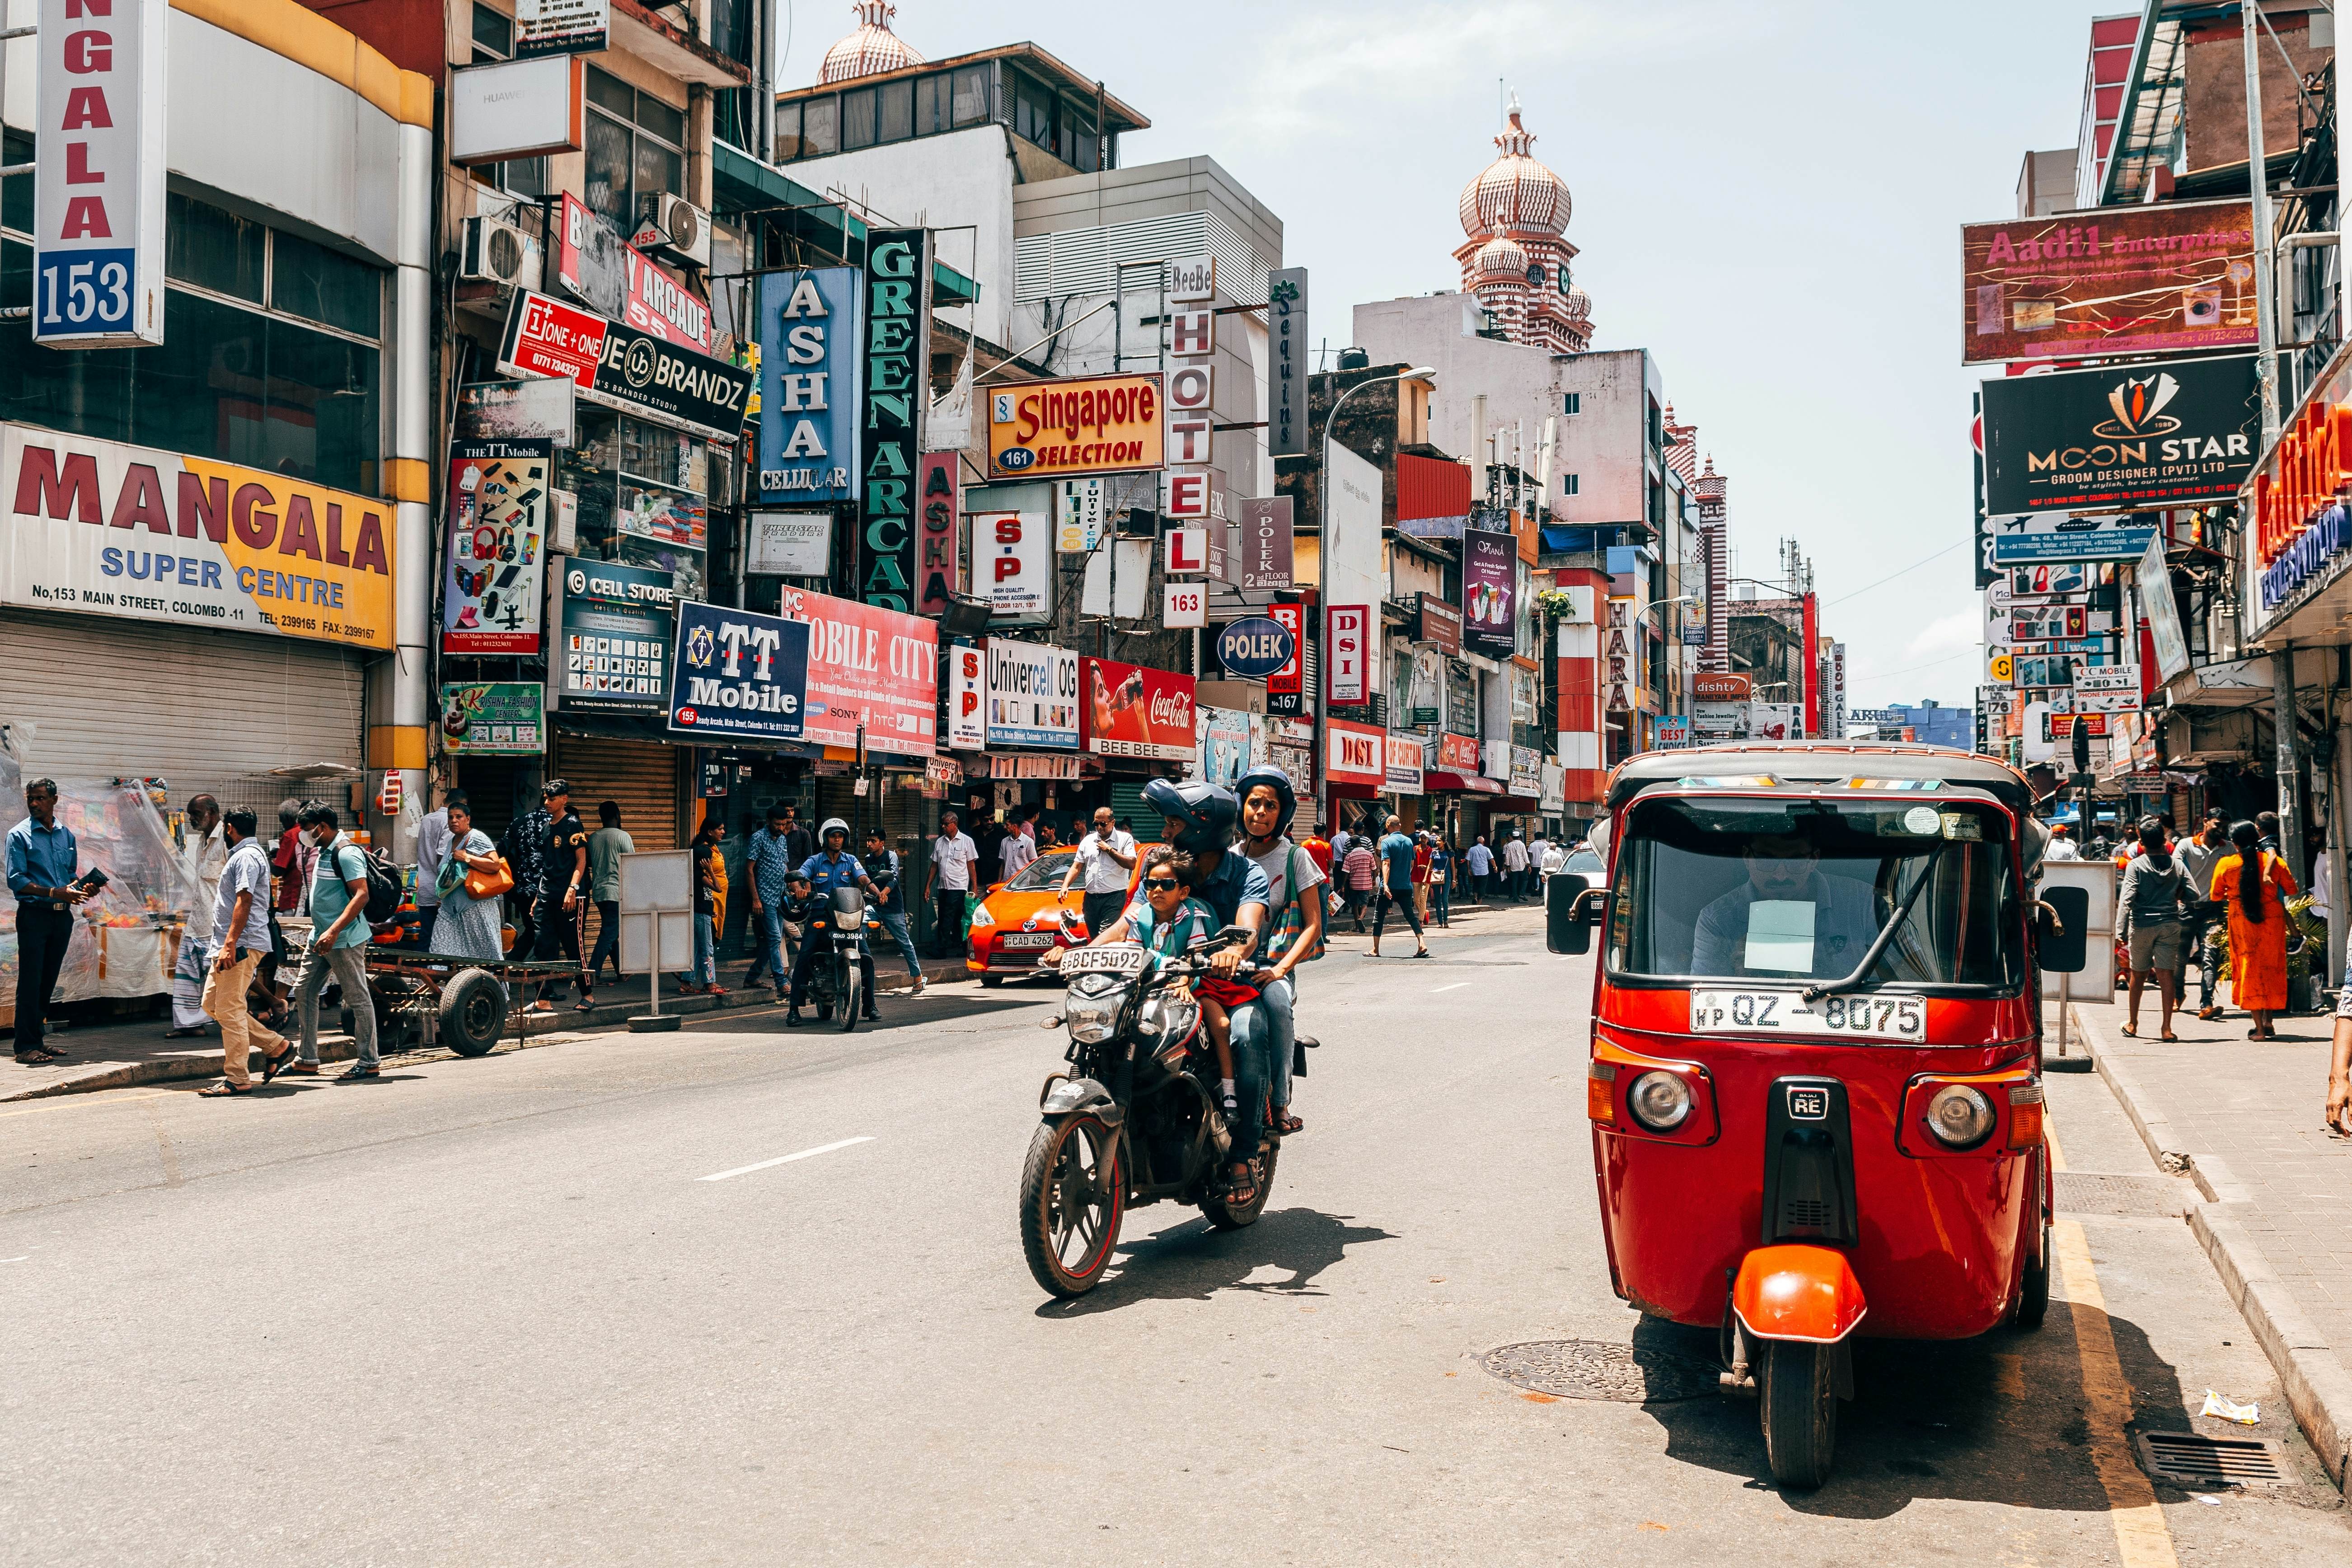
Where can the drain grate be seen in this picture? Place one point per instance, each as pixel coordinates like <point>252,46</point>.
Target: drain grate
<point>1589,1369</point>
<point>2193,1460</point>
<point>2143,1197</point>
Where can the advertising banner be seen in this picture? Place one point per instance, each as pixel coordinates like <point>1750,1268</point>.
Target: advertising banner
<point>1526,772</point>
<point>1286,369</point>
<point>1097,425</point>
<point>1672,732</point>
<point>1222,737</point>
<point>808,385</point>
<point>1719,721</point>
<point>1013,557</point>
<point>541,406</point>
<point>1403,757</point>
<point>2162,609</point>
<point>1441,625</point>
<point>620,367</point>
<point>491,587</point>
<point>1354,753</point>
<point>789,545</point>
<point>1133,711</point>
<point>1033,694</point>
<point>106,529</point>
<point>1457,753</point>
<point>738,674</point>
<point>1713,686</point>
<point>494,717</point>
<point>1288,680</point>
<point>967,695</point>
<point>896,390</point>
<point>2162,278</point>
<point>615,632</point>
<point>1346,628</point>
<point>561,26</point>
<point>98,174</point>
<point>2034,537</point>
<point>1265,542</point>
<point>940,565</point>
<point>2120,436</point>
<point>583,258</point>
<point>1080,515</point>
<point>868,665</point>
<point>1489,578</point>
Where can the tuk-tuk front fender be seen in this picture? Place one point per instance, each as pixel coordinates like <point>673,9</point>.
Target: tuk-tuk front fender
<point>1798,1292</point>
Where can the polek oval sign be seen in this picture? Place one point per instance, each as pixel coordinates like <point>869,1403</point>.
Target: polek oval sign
<point>1255,647</point>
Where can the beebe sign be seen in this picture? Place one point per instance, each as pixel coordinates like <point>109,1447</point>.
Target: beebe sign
<point>97,180</point>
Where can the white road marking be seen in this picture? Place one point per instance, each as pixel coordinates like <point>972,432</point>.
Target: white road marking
<point>1456,987</point>
<point>15,1260</point>
<point>784,1160</point>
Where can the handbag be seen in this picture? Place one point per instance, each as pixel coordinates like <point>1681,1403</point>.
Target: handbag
<point>490,884</point>
<point>1290,926</point>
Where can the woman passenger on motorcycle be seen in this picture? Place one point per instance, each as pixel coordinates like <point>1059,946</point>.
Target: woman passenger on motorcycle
<point>1293,878</point>
<point>830,867</point>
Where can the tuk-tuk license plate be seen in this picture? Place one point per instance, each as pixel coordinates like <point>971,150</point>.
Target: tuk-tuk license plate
<point>1901,1018</point>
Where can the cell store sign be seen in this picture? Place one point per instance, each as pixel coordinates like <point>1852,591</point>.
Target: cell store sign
<point>614,637</point>
<point>738,674</point>
<point>98,174</point>
<point>808,385</point>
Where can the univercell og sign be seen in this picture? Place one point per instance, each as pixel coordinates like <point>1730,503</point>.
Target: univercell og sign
<point>98,204</point>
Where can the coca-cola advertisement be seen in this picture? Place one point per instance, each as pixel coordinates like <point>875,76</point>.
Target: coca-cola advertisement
<point>1130,711</point>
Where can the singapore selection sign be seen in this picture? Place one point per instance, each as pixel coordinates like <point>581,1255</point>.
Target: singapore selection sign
<point>2120,438</point>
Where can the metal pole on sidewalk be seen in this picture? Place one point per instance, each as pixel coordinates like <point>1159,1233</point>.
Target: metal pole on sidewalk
<point>2282,722</point>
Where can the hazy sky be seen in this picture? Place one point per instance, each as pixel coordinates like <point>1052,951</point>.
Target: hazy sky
<point>1768,197</point>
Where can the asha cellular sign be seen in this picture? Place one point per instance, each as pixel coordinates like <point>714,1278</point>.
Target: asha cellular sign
<point>897,386</point>
<point>97,226</point>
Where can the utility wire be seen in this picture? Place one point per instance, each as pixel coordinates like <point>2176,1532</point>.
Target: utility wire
<point>1892,575</point>
<point>1888,674</point>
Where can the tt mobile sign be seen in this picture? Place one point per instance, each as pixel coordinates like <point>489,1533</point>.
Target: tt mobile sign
<point>97,226</point>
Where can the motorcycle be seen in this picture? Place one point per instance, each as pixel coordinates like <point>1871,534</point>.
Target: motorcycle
<point>843,961</point>
<point>1094,1156</point>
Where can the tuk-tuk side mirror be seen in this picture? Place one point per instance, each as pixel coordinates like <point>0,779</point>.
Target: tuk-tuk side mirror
<point>1565,927</point>
<point>2061,945</point>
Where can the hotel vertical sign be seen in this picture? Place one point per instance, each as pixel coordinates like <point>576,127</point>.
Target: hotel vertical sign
<point>897,387</point>
<point>97,241</point>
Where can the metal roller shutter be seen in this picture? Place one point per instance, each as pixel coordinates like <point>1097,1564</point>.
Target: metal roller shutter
<point>211,712</point>
<point>640,776</point>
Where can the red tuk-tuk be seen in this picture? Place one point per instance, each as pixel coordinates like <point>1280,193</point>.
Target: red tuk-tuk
<point>1815,1083</point>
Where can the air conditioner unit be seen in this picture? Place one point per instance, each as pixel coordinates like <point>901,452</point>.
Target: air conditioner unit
<point>497,252</point>
<point>673,224</point>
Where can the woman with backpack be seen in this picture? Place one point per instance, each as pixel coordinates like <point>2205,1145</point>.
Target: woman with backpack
<point>2254,886</point>
<point>2151,910</point>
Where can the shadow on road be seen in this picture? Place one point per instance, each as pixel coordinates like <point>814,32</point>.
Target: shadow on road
<point>1193,1261</point>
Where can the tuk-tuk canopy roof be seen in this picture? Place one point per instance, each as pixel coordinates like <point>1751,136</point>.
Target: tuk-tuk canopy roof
<point>1802,766</point>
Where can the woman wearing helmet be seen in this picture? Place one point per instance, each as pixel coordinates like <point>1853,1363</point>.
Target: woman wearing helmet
<point>1198,819</point>
<point>1267,803</point>
<point>831,867</point>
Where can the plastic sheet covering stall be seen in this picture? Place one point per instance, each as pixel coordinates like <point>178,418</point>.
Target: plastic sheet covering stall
<point>125,939</point>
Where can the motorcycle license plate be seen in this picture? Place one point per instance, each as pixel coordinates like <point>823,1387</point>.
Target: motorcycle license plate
<point>1121,960</point>
<point>1903,1018</point>
<point>1025,938</point>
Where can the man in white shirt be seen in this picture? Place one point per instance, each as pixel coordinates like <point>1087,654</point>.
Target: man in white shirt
<point>1019,849</point>
<point>948,883</point>
<point>1107,856</point>
<point>1515,867</point>
<point>2062,845</point>
<point>204,855</point>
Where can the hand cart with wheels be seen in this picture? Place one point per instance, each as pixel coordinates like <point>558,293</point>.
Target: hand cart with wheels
<point>460,1003</point>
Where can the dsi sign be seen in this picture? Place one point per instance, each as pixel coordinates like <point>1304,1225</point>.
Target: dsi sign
<point>897,343</point>
<point>97,230</point>
<point>738,674</point>
<point>1255,647</point>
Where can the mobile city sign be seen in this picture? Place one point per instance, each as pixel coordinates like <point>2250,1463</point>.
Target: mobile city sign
<point>808,385</point>
<point>98,174</point>
<point>2163,278</point>
<point>736,674</point>
<point>2120,438</point>
<point>895,389</point>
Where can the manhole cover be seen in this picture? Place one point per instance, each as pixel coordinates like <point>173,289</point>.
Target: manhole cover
<point>1587,1369</point>
<point>2151,1198</point>
<point>2192,1460</point>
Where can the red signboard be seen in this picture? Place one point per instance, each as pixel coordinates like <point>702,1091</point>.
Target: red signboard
<point>1457,753</point>
<point>554,338</point>
<point>2156,278</point>
<point>1288,680</point>
<point>937,555</point>
<point>593,264</point>
<point>1708,686</point>
<point>660,304</point>
<point>1352,753</point>
<point>1132,712</point>
<point>1347,631</point>
<point>869,666</point>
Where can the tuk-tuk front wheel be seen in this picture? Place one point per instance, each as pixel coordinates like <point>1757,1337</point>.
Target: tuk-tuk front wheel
<point>1797,1393</point>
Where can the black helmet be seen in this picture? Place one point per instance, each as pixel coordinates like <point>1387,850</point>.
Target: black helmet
<point>1275,780</point>
<point>1207,812</point>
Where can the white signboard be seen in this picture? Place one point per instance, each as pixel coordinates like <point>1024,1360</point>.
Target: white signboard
<point>98,225</point>
<point>1013,558</point>
<point>1033,694</point>
<point>561,26</point>
<point>790,544</point>
<point>967,697</point>
<point>1125,566</point>
<point>514,109</point>
<point>1079,507</point>
<point>1187,605</point>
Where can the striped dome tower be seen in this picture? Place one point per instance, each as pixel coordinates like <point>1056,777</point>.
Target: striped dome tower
<point>1515,259</point>
<point>871,48</point>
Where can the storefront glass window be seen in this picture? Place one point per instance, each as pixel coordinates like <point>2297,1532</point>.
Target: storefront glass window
<point>643,495</point>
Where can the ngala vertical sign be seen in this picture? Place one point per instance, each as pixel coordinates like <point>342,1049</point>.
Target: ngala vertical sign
<point>98,225</point>
<point>896,388</point>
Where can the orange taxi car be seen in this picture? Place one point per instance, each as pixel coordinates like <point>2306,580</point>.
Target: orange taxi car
<point>1018,922</point>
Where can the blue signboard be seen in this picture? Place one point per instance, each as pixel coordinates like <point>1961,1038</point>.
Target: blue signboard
<point>1255,646</point>
<point>808,385</point>
<point>2034,538</point>
<point>615,632</point>
<point>738,675</point>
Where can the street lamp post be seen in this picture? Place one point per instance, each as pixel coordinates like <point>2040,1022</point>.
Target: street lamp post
<point>1323,562</point>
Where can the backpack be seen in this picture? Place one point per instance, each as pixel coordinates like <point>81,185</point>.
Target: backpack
<point>383,890</point>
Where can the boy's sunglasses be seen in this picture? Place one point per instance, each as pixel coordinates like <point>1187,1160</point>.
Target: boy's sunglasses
<point>1161,884</point>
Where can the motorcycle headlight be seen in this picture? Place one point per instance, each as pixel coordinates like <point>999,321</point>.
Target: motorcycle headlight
<point>1659,1100</point>
<point>981,916</point>
<point>1959,1116</point>
<point>1091,1021</point>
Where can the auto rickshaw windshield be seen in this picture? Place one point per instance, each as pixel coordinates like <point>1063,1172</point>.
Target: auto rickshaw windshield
<point>1788,889</point>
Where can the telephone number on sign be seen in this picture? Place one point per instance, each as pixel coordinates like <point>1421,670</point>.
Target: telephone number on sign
<point>1787,1013</point>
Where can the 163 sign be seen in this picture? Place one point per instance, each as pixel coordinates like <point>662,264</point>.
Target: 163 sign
<point>898,339</point>
<point>738,674</point>
<point>2120,436</point>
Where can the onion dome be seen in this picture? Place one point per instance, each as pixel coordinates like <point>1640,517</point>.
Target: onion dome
<point>1575,303</point>
<point>870,50</point>
<point>1514,193</point>
<point>1500,260</point>
<point>1708,486</point>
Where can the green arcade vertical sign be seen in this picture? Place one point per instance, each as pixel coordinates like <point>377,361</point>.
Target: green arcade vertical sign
<point>896,388</point>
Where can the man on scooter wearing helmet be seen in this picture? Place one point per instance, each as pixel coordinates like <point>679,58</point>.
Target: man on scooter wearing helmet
<point>1199,820</point>
<point>831,867</point>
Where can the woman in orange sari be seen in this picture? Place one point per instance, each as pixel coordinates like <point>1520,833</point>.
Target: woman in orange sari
<point>2255,885</point>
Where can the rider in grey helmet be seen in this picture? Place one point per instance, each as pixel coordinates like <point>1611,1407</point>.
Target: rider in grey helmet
<point>831,867</point>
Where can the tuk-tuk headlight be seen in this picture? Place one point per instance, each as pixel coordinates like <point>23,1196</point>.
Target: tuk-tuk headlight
<point>1660,1102</point>
<point>1959,1116</point>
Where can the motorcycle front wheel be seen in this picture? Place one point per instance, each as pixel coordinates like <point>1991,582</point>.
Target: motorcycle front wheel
<point>1072,1200</point>
<point>845,985</point>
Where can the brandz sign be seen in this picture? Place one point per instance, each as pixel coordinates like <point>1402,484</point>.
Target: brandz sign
<point>2121,438</point>
<point>738,674</point>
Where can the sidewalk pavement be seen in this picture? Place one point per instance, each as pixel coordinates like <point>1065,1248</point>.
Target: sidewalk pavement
<point>2242,1118</point>
<point>121,1055</point>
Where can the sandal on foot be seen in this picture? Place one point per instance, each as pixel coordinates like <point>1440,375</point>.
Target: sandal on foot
<point>2129,1031</point>
<point>1286,1124</point>
<point>39,1056</point>
<point>587,1004</point>
<point>272,1065</point>
<point>2169,1037</point>
<point>223,1089</point>
<point>1240,1191</point>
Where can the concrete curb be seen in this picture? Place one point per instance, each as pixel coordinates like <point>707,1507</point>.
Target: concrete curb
<point>2318,1389</point>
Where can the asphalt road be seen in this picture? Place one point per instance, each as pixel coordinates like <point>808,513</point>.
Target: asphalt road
<point>494,1311</point>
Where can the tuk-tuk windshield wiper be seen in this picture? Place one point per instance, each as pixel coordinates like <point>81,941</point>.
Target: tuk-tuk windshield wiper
<point>1878,948</point>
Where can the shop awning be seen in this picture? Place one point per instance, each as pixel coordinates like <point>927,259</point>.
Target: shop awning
<point>740,184</point>
<point>1436,783</point>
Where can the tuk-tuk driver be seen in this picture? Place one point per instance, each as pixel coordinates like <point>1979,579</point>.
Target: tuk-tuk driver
<point>1786,919</point>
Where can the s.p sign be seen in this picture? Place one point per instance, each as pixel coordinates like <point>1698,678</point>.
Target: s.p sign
<point>1255,647</point>
<point>738,674</point>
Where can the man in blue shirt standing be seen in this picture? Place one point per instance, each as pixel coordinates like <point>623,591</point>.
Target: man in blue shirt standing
<point>41,858</point>
<point>772,861</point>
